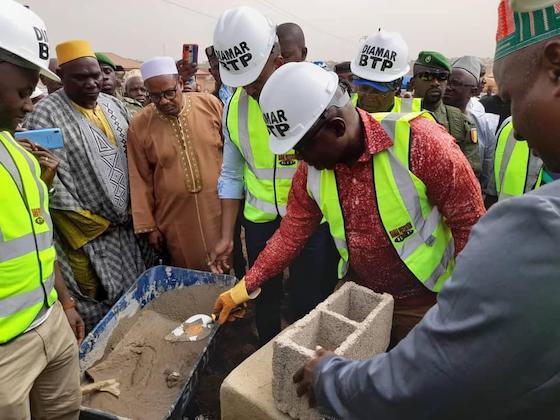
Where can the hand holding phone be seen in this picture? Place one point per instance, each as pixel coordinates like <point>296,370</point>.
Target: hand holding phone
<point>49,138</point>
<point>47,160</point>
<point>190,54</point>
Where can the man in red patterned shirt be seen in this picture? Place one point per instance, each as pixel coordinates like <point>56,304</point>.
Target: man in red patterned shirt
<point>306,109</point>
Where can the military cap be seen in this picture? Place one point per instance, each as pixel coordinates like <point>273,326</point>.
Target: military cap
<point>433,59</point>
<point>103,59</point>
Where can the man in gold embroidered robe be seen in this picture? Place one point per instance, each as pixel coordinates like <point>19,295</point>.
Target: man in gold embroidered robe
<point>175,156</point>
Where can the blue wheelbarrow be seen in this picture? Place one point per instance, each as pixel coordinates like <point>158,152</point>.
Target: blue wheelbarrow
<point>148,287</point>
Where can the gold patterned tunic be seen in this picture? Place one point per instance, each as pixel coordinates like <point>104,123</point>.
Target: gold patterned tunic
<point>174,164</point>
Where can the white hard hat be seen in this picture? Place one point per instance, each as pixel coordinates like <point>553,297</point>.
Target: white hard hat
<point>243,40</point>
<point>23,34</point>
<point>294,98</point>
<point>382,57</point>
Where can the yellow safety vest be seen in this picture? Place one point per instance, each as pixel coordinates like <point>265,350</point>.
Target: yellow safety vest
<point>401,105</point>
<point>516,169</point>
<point>268,178</point>
<point>407,105</point>
<point>27,254</point>
<point>413,225</point>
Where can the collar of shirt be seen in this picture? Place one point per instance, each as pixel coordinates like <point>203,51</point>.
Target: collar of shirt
<point>376,139</point>
<point>97,118</point>
<point>225,93</point>
<point>85,111</point>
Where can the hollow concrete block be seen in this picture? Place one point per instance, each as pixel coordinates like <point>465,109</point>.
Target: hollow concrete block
<point>353,322</point>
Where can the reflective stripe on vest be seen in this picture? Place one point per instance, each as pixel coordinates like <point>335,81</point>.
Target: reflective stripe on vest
<point>268,178</point>
<point>415,227</point>
<point>16,303</point>
<point>407,105</point>
<point>516,170</point>
<point>27,253</point>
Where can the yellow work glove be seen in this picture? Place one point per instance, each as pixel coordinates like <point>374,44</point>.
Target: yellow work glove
<point>232,299</point>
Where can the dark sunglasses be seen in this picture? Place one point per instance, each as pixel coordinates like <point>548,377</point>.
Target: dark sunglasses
<point>169,94</point>
<point>428,76</point>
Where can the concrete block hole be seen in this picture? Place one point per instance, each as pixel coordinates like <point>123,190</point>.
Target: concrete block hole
<point>325,330</point>
<point>356,304</point>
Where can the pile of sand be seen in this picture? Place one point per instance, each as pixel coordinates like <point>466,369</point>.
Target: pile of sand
<point>151,370</point>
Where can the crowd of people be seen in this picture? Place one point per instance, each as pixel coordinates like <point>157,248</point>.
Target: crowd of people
<point>295,178</point>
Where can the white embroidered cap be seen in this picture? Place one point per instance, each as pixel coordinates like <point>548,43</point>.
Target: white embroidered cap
<point>158,66</point>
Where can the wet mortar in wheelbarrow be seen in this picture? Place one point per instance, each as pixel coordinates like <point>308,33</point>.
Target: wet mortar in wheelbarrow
<point>156,377</point>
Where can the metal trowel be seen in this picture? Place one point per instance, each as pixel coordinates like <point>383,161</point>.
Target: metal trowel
<point>196,328</point>
<point>200,326</point>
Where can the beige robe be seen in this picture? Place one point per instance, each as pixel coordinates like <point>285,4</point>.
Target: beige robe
<point>174,164</point>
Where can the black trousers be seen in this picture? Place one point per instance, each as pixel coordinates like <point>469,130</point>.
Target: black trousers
<point>313,276</point>
<point>239,262</point>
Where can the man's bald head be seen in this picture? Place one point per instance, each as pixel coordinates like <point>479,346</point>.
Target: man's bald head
<point>292,42</point>
<point>134,88</point>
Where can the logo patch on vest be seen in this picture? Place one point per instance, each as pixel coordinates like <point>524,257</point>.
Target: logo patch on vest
<point>287,159</point>
<point>276,123</point>
<point>401,233</point>
<point>377,57</point>
<point>36,213</point>
<point>235,58</point>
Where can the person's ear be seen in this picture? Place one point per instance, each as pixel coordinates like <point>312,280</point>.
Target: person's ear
<point>304,53</point>
<point>337,126</point>
<point>551,61</point>
<point>181,83</point>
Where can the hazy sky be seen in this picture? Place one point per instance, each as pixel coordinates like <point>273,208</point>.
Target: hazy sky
<point>144,28</point>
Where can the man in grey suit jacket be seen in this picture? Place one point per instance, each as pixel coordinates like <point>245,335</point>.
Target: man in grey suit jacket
<point>490,348</point>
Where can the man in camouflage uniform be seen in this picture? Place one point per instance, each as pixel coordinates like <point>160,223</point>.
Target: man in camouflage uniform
<point>431,73</point>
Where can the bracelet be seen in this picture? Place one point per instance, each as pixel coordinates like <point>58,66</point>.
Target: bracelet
<point>70,305</point>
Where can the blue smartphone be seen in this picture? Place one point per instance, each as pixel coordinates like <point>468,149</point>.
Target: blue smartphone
<point>49,138</point>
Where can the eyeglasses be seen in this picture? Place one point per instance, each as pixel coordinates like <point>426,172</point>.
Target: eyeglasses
<point>456,84</point>
<point>429,76</point>
<point>169,94</point>
<point>306,140</point>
